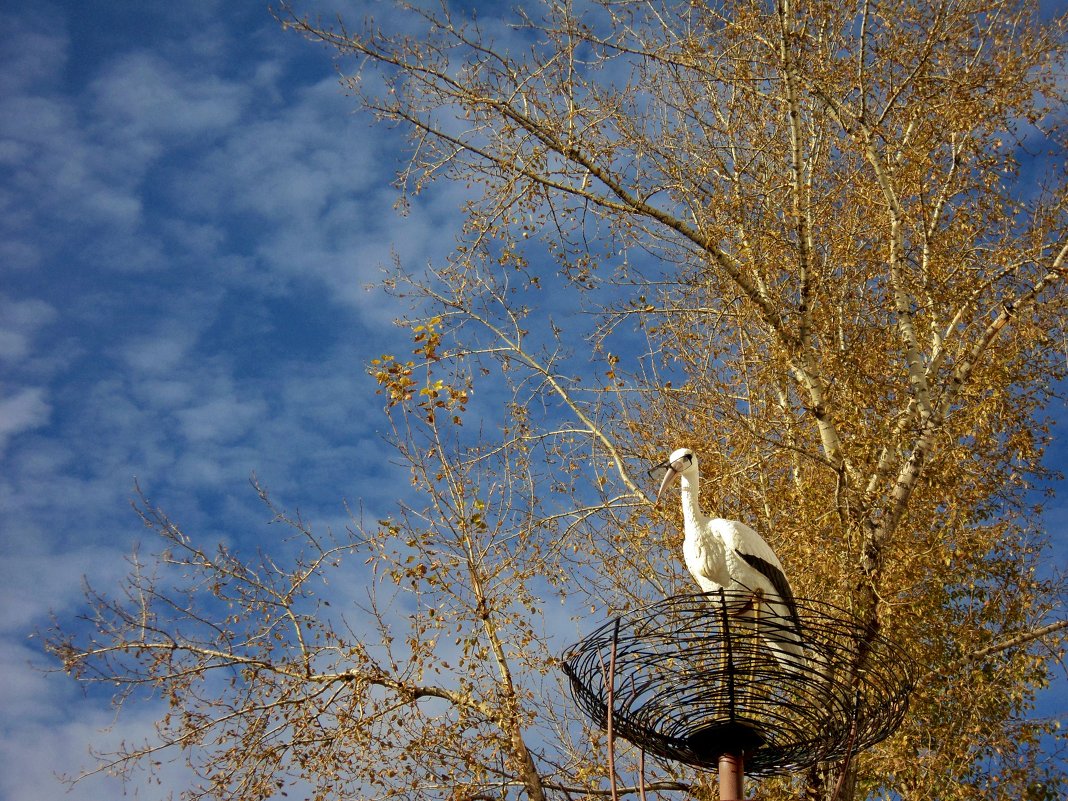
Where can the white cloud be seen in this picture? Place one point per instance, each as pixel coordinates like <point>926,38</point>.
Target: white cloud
<point>45,580</point>
<point>222,418</point>
<point>139,96</point>
<point>26,410</point>
<point>33,51</point>
<point>163,350</point>
<point>20,320</point>
<point>66,186</point>
<point>55,741</point>
<point>284,164</point>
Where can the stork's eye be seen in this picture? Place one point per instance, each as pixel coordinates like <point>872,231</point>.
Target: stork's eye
<point>682,463</point>
<point>657,471</point>
<point>678,466</point>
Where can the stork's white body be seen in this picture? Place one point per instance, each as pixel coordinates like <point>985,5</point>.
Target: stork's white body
<point>729,555</point>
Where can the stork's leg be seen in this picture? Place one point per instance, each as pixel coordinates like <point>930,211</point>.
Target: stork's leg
<point>750,604</point>
<point>755,604</point>
<point>725,666</point>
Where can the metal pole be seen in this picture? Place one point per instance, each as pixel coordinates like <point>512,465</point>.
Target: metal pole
<point>610,684</point>
<point>730,765</point>
<point>730,777</point>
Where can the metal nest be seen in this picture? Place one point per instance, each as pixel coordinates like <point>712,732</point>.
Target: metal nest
<point>694,677</point>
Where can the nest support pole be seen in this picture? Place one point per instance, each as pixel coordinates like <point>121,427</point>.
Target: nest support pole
<point>731,776</point>
<point>696,682</point>
<point>731,763</point>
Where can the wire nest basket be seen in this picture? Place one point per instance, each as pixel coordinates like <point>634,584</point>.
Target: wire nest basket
<point>694,677</point>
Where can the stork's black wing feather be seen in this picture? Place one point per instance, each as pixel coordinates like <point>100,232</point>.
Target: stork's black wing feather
<point>778,581</point>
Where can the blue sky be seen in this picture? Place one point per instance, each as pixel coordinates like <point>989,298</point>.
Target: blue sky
<point>191,212</point>
<point>192,209</point>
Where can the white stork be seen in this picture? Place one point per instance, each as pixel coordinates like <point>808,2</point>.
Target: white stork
<point>726,554</point>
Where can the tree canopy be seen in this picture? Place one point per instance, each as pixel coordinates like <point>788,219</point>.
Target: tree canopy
<point>806,240</point>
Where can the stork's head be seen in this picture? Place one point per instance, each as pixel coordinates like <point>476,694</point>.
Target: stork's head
<point>681,461</point>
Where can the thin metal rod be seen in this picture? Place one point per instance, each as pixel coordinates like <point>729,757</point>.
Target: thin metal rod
<point>849,748</point>
<point>728,656</point>
<point>731,777</point>
<point>611,685</point>
<point>641,751</point>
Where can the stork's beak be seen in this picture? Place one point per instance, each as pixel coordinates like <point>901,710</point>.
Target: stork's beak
<point>669,476</point>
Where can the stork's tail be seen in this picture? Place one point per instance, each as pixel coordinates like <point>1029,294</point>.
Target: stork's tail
<point>781,630</point>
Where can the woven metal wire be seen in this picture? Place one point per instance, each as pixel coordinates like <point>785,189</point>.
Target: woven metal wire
<point>697,676</point>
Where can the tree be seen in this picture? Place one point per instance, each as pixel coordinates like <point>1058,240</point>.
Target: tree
<point>791,235</point>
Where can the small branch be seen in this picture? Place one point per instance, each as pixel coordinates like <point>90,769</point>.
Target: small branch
<point>663,786</point>
<point>991,650</point>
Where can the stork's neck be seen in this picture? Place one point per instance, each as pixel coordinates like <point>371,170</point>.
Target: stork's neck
<point>691,503</point>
